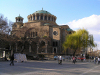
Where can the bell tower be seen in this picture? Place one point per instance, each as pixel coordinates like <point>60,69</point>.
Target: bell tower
<point>19,19</point>
<point>19,22</point>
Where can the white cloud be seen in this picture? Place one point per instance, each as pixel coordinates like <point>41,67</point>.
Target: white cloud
<point>91,23</point>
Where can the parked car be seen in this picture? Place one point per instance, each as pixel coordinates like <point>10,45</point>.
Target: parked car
<point>46,58</point>
<point>63,58</point>
<point>35,58</point>
<point>81,58</point>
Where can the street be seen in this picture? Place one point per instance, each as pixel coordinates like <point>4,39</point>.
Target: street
<point>33,67</point>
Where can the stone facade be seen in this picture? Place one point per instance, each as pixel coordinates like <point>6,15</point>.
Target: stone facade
<point>42,33</point>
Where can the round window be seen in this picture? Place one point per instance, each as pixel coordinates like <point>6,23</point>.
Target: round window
<point>55,33</point>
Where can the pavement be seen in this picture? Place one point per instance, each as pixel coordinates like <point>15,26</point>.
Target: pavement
<point>33,67</point>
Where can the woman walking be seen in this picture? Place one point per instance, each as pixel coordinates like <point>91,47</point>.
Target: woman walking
<point>73,58</point>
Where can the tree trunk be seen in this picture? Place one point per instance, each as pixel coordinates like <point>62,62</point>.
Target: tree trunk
<point>74,52</point>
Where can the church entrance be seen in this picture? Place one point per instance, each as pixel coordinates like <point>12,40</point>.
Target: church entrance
<point>55,50</point>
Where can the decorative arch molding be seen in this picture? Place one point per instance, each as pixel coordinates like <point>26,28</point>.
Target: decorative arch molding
<point>31,32</point>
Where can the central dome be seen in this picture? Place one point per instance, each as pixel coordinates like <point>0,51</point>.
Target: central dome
<point>42,11</point>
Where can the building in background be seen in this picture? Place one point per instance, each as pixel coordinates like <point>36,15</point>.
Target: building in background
<point>41,34</point>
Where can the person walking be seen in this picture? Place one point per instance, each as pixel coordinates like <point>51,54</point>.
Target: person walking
<point>94,60</point>
<point>12,60</point>
<point>60,60</point>
<point>73,58</point>
<point>98,60</point>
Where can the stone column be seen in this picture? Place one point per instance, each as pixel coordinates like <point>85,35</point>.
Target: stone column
<point>32,17</point>
<point>50,18</point>
<point>46,48</point>
<point>37,48</point>
<point>10,46</point>
<point>30,47</point>
<point>35,17</point>
<point>53,19</point>
<point>43,16</point>
<point>22,47</point>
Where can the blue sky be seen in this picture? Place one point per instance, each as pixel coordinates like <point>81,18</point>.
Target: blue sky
<point>75,13</point>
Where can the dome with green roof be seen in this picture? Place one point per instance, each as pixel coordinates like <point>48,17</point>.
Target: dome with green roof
<point>19,16</point>
<point>43,11</point>
<point>42,15</point>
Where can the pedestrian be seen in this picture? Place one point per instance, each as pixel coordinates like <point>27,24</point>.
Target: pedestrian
<point>60,60</point>
<point>12,60</point>
<point>94,60</point>
<point>98,60</point>
<point>73,58</point>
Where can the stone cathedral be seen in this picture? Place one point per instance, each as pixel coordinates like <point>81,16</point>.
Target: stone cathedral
<point>42,33</point>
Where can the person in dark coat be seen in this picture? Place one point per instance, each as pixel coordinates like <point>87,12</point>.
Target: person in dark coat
<point>12,60</point>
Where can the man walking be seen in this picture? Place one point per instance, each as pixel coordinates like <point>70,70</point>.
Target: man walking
<point>12,60</point>
<point>60,59</point>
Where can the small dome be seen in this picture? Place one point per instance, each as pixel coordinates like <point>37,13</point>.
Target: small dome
<point>42,11</point>
<point>19,16</point>
<point>46,23</point>
<point>68,29</point>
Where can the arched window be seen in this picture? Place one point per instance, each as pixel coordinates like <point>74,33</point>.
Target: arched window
<point>56,43</point>
<point>41,17</point>
<point>31,17</point>
<point>34,17</point>
<point>53,43</point>
<point>37,17</point>
<point>45,17</point>
<point>70,33</point>
<point>49,18</point>
<point>33,34</point>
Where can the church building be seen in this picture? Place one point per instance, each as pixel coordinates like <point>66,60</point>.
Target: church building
<point>42,34</point>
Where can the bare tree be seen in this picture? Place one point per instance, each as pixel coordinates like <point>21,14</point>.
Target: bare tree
<point>5,26</point>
